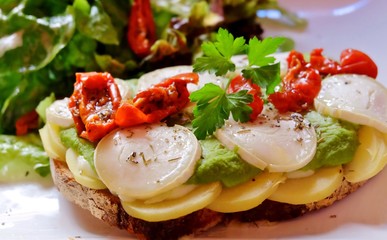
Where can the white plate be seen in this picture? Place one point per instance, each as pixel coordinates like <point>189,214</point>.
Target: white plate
<point>37,211</point>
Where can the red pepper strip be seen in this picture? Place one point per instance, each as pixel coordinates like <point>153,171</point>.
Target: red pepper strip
<point>240,83</point>
<point>300,86</point>
<point>157,102</point>
<point>93,104</point>
<point>141,28</point>
<point>26,122</point>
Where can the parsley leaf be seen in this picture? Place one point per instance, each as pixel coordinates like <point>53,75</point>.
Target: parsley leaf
<point>261,69</point>
<point>217,55</point>
<point>214,106</point>
<point>267,77</point>
<point>258,51</point>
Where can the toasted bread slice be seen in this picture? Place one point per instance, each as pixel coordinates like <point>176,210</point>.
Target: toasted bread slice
<point>107,207</point>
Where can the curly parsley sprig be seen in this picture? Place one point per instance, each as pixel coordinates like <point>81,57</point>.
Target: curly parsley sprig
<point>214,105</point>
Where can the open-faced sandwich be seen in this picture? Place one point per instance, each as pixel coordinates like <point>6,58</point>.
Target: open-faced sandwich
<point>256,137</point>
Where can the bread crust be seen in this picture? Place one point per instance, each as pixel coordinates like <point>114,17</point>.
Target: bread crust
<point>107,207</point>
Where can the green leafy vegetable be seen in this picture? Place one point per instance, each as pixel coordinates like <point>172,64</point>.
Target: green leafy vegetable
<point>20,156</point>
<point>92,20</point>
<point>214,106</point>
<point>30,43</point>
<point>43,105</point>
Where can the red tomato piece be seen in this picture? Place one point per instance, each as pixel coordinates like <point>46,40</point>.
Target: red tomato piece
<point>351,61</point>
<point>355,61</point>
<point>26,122</point>
<point>240,83</point>
<point>93,104</point>
<point>157,102</point>
<point>324,65</point>
<point>300,86</point>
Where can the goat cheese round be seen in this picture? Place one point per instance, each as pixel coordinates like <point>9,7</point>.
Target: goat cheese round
<point>143,161</point>
<point>354,98</point>
<point>281,144</point>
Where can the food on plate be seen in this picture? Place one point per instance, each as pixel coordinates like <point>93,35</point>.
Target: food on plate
<point>44,43</point>
<point>244,134</point>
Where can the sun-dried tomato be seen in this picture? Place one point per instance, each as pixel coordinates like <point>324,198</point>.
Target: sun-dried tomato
<point>300,86</point>
<point>157,102</point>
<point>93,104</point>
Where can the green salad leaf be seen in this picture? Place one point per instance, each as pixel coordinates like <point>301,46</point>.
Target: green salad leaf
<point>93,21</point>
<point>30,43</point>
<point>20,156</point>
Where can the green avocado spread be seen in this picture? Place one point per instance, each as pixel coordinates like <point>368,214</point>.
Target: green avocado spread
<point>337,141</point>
<point>221,164</point>
<point>70,139</point>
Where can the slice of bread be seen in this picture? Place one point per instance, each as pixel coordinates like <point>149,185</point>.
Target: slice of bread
<point>107,207</point>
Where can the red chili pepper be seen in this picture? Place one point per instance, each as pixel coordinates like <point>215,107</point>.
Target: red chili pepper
<point>157,102</point>
<point>240,83</point>
<point>93,104</point>
<point>300,86</point>
<point>141,28</point>
<point>26,122</point>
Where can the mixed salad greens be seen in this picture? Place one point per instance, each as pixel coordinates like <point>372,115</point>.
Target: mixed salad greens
<point>43,43</point>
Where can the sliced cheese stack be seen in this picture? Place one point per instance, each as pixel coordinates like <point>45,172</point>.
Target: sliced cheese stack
<point>370,157</point>
<point>309,189</point>
<point>147,166</point>
<point>362,100</point>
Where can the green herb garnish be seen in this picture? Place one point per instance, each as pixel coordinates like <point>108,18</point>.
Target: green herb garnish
<point>214,104</point>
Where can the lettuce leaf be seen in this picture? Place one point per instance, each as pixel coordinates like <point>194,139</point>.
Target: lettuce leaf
<point>93,21</point>
<point>20,155</point>
<point>30,43</point>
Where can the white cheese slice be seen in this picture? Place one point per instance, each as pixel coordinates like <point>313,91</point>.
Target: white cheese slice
<point>281,144</point>
<point>144,161</point>
<point>59,114</point>
<point>82,171</point>
<point>354,98</point>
